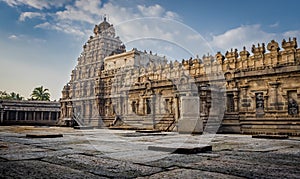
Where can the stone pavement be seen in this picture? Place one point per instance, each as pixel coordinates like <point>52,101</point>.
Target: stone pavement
<point>103,153</point>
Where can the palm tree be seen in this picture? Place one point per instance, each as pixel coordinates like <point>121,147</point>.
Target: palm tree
<point>40,94</point>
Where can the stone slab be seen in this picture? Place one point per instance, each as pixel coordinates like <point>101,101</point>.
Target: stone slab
<point>40,169</point>
<point>189,121</point>
<point>182,150</point>
<point>190,173</point>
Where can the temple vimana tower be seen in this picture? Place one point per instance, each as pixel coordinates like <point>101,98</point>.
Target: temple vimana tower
<point>233,93</point>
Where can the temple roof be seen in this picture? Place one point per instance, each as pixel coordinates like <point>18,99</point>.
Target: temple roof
<point>104,25</point>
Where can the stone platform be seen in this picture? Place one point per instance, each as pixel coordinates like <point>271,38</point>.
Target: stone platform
<point>103,153</point>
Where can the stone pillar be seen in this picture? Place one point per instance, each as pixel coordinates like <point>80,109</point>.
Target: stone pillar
<point>1,115</point>
<point>33,118</point>
<point>140,109</point>
<point>236,101</point>
<point>1,112</point>
<point>153,110</point>
<point>176,112</point>
<point>42,115</point>
<point>49,117</point>
<point>7,115</point>
<point>17,115</point>
<point>25,116</point>
<point>274,95</point>
<point>190,121</point>
<point>159,98</point>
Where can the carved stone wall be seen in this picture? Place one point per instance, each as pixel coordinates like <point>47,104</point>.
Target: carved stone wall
<point>260,90</point>
<point>79,100</point>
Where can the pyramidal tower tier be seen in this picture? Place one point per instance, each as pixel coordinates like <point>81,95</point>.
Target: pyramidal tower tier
<point>78,96</point>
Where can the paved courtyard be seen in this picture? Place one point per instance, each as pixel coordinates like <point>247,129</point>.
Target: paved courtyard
<point>103,153</point>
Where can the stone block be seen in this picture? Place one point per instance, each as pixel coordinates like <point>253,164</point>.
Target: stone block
<point>190,121</point>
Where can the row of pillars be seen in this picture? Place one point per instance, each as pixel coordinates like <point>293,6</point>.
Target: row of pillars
<point>28,115</point>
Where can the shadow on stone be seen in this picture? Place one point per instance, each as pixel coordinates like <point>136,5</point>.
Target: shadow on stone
<point>43,135</point>
<point>264,136</point>
<point>83,127</point>
<point>182,150</point>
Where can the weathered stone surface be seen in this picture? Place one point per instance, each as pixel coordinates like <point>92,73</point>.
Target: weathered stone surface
<point>189,173</point>
<point>40,169</point>
<point>103,153</point>
<point>103,166</point>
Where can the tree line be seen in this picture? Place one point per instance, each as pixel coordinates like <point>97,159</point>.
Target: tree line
<point>38,94</point>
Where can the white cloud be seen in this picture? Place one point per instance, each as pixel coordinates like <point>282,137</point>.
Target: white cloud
<point>13,37</point>
<point>291,34</point>
<point>172,15</point>
<point>79,17</point>
<point>245,35</point>
<point>156,11</point>
<point>20,38</point>
<point>37,4</point>
<point>151,11</point>
<point>90,6</point>
<point>62,27</point>
<point>31,15</point>
<point>74,14</point>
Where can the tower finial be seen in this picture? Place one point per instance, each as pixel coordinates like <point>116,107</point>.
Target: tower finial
<point>105,17</point>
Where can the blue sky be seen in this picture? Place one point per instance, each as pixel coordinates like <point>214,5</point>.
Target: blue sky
<point>40,40</point>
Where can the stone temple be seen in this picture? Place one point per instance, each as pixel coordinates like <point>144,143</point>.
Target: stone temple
<point>232,93</point>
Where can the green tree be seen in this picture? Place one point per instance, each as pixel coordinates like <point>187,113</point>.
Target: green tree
<point>11,96</point>
<point>15,96</point>
<point>40,94</point>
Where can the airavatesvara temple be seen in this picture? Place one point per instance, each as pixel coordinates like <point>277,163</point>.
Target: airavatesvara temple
<point>233,93</point>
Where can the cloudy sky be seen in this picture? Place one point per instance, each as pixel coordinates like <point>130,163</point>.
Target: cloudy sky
<point>40,40</point>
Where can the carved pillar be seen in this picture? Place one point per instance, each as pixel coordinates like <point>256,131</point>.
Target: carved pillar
<point>176,107</point>
<point>236,101</point>
<point>170,106</point>
<point>126,105</point>
<point>260,104</point>
<point>34,119</point>
<point>274,94</point>
<point>153,110</point>
<point>141,104</point>
<point>244,100</point>
<point>266,106</point>
<point>159,104</point>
